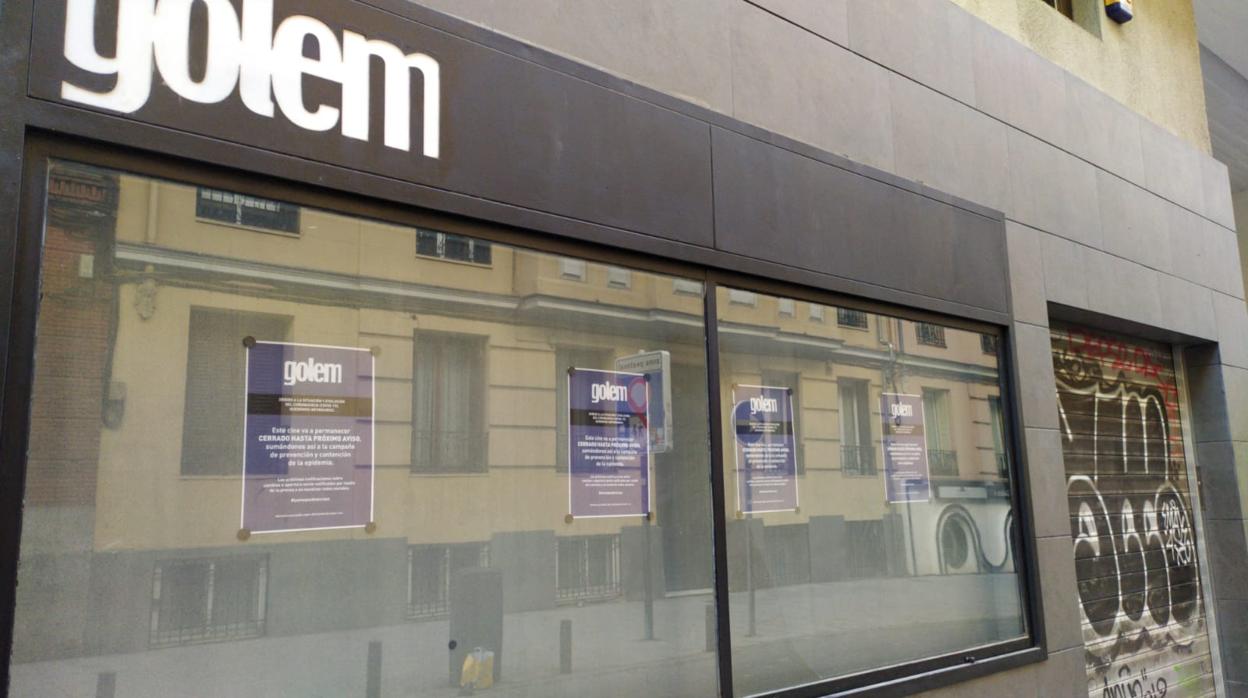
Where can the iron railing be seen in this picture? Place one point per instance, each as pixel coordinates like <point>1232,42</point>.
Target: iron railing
<point>251,211</point>
<point>208,600</point>
<point>449,451</point>
<point>434,243</point>
<point>430,569</point>
<point>988,344</point>
<point>858,460</point>
<point>943,463</point>
<point>848,317</point>
<point>587,568</point>
<point>929,334</point>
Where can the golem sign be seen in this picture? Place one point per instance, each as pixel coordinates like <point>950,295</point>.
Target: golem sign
<point>265,66</point>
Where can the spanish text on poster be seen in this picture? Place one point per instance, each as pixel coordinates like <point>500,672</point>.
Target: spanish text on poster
<point>609,442</point>
<point>308,455</point>
<point>766,449</point>
<point>906,475</point>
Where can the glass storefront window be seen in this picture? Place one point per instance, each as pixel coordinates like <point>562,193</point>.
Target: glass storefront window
<point>392,405</point>
<point>277,450</point>
<point>869,514</point>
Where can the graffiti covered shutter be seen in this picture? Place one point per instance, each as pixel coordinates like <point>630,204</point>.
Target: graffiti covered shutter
<point>1131,517</point>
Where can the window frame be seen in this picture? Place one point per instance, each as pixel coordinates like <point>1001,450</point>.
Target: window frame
<point>989,344</point>
<point>228,470</point>
<point>480,419</point>
<point>931,396</point>
<point>862,427</point>
<point>846,317</point>
<point>587,592</point>
<point>206,636</point>
<point>296,233</point>
<point>942,670</point>
<point>1000,446</point>
<point>1066,8</point>
<point>933,336</point>
<point>306,188</point>
<point>441,608</point>
<point>441,241</point>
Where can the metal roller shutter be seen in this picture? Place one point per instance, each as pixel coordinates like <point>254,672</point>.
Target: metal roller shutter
<point>1131,517</point>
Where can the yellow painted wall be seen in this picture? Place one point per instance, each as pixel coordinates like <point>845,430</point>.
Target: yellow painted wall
<point>1151,64</point>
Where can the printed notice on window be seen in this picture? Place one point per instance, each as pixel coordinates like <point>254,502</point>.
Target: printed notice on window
<point>308,456</point>
<point>608,444</point>
<point>906,476</point>
<point>766,448</point>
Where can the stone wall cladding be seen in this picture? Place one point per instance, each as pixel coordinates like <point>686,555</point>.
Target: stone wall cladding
<point>1106,211</point>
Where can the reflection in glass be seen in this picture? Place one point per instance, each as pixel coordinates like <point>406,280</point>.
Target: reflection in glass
<point>849,578</point>
<point>134,571</point>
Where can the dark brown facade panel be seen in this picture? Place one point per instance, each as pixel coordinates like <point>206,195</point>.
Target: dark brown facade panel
<point>511,130</point>
<point>525,135</point>
<point>787,208</point>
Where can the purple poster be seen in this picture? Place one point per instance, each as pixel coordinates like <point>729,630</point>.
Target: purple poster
<point>308,454</point>
<point>766,447</point>
<point>906,476</point>
<point>608,444</point>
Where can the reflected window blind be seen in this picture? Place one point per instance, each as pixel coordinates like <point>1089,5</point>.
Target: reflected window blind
<point>448,420</point>
<point>212,424</point>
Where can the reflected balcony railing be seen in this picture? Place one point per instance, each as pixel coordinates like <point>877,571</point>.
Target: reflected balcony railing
<point>441,451</point>
<point>849,317</point>
<point>943,463</point>
<point>430,572</point>
<point>208,600</point>
<point>858,460</point>
<point>588,568</point>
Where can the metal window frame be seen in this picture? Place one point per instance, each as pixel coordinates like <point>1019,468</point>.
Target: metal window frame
<point>937,339</point>
<point>933,672</point>
<point>987,344</point>
<point>843,316</point>
<point>447,551</point>
<point>481,349</point>
<point>584,592</point>
<point>306,185</point>
<point>440,244</point>
<point>240,204</point>
<point>859,469</point>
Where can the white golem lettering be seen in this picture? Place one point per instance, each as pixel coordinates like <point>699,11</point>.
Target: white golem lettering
<point>261,63</point>
<point>310,371</point>
<point>599,392</point>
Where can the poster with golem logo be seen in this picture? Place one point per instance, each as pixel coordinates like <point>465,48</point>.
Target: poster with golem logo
<point>608,444</point>
<point>308,454</point>
<point>766,447</point>
<point>906,474</point>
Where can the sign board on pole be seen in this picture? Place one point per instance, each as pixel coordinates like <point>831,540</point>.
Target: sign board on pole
<point>657,367</point>
<point>608,444</point>
<point>308,438</point>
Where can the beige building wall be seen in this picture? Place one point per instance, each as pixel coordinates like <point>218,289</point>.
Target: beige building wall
<point>1151,64</point>
<point>521,489</point>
